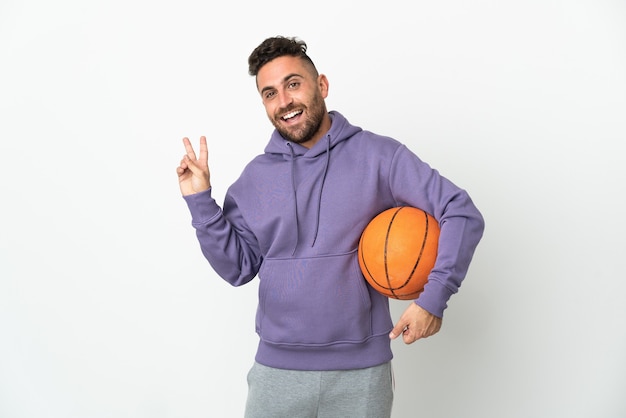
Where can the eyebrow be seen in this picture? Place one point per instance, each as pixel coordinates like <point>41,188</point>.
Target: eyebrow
<point>285,79</point>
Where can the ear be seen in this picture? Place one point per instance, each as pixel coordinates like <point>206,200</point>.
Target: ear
<point>322,84</point>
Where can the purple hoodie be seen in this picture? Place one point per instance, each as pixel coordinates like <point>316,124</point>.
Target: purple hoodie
<point>294,218</point>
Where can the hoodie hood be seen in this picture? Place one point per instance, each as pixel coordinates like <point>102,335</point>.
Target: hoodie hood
<point>340,130</point>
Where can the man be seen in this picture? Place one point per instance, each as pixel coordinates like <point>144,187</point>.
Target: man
<point>294,218</point>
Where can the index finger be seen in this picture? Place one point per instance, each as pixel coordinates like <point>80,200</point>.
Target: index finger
<point>189,148</point>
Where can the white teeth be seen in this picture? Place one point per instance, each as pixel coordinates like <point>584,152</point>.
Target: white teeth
<point>291,115</point>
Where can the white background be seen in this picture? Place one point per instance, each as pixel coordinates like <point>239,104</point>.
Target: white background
<point>107,308</point>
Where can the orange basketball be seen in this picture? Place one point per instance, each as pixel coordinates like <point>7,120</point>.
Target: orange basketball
<point>397,251</point>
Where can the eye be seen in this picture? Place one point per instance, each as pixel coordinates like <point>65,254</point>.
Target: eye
<point>293,85</point>
<point>269,94</point>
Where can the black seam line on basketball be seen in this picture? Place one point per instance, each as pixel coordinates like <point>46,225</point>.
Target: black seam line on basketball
<point>419,257</point>
<point>360,252</point>
<point>421,253</point>
<point>412,295</point>
<point>369,273</point>
<point>393,292</point>
<point>363,259</point>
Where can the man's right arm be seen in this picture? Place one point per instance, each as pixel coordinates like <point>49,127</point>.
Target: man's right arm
<point>193,172</point>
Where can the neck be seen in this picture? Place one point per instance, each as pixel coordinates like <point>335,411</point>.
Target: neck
<point>323,129</point>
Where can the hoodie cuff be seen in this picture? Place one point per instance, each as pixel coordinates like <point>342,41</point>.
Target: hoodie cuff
<point>434,298</point>
<point>202,207</point>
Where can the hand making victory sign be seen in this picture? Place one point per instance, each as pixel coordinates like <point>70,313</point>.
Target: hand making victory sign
<point>193,173</point>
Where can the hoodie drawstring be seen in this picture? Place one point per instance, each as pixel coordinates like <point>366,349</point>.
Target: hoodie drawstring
<point>295,196</point>
<point>319,195</point>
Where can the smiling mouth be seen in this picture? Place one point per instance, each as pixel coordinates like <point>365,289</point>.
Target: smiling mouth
<point>291,115</point>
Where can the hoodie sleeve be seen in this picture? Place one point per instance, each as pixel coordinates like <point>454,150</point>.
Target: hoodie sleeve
<point>415,183</point>
<point>232,251</point>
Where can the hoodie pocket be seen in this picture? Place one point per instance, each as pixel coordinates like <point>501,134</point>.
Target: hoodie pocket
<point>313,301</point>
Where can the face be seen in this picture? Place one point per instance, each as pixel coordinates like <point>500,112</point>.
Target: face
<point>294,99</point>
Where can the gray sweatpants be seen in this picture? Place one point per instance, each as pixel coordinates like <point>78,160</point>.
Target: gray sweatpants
<point>277,393</point>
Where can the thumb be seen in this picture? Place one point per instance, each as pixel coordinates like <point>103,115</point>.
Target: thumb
<point>197,168</point>
<point>200,177</point>
<point>192,166</point>
<point>398,329</point>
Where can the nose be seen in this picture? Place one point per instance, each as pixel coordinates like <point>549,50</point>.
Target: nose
<point>284,99</point>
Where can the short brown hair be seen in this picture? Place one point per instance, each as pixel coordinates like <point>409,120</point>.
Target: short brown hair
<point>275,47</point>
